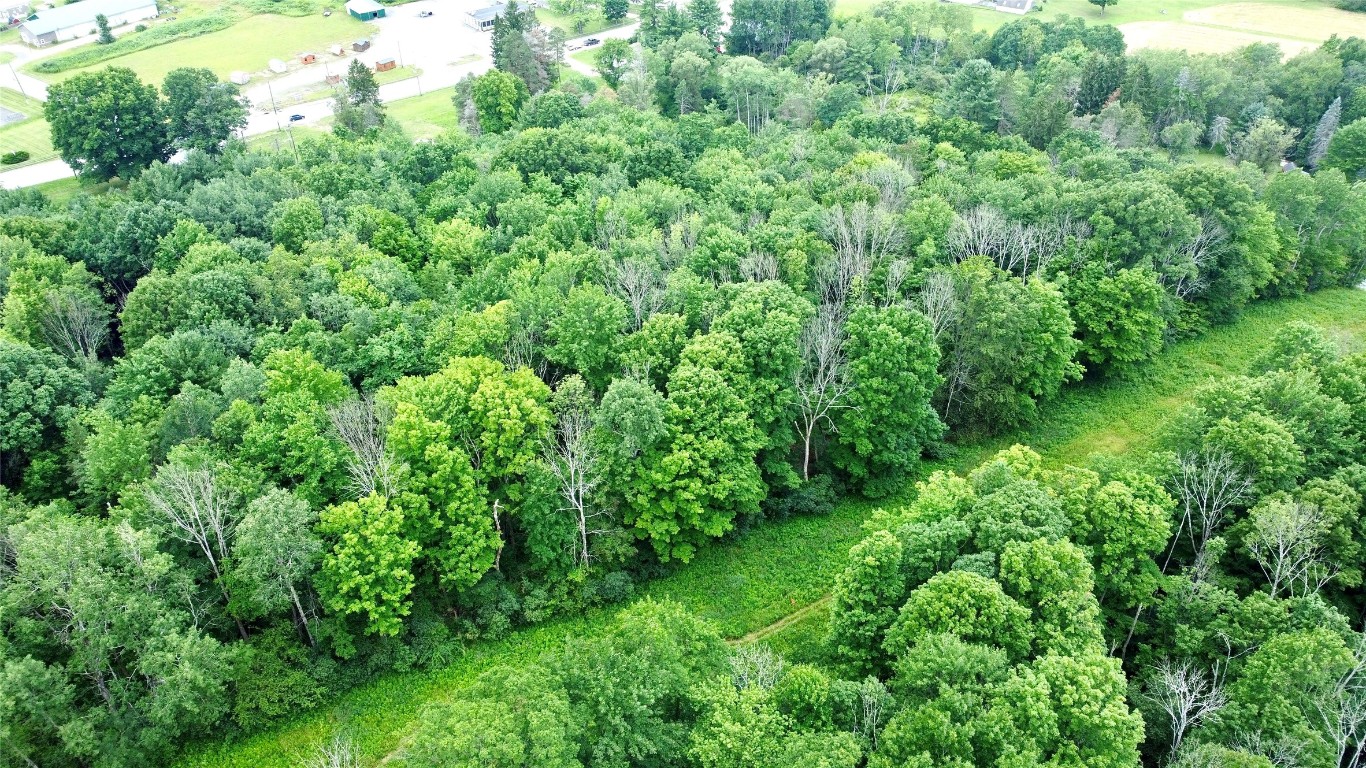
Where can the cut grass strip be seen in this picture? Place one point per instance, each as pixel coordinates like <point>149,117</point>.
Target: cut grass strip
<point>756,580</point>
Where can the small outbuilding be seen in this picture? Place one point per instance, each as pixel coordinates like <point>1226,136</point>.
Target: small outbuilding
<point>240,78</point>
<point>337,50</point>
<point>365,10</point>
<point>360,46</point>
<point>482,18</point>
<point>277,66</point>
<point>308,58</point>
<point>384,65</point>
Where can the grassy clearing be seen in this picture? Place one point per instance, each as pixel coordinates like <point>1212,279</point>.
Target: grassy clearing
<point>1301,22</point>
<point>755,580</point>
<point>1311,20</point>
<point>32,135</point>
<point>596,22</point>
<point>1196,38</point>
<point>63,191</point>
<point>426,116</point>
<point>245,46</point>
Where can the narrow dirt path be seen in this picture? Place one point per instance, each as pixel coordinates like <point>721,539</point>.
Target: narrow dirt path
<point>779,625</point>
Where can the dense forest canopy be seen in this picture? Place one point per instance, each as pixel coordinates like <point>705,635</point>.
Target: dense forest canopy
<point>273,424</point>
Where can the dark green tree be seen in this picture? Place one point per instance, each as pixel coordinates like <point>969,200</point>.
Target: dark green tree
<point>615,10</point>
<point>203,111</point>
<point>102,23</point>
<point>107,123</point>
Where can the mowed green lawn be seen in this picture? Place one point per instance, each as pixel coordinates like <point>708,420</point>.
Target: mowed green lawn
<point>1123,12</point>
<point>32,135</point>
<point>752,581</point>
<point>247,46</point>
<point>426,116</point>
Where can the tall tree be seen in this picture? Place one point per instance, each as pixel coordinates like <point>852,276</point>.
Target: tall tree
<point>203,111</point>
<point>107,123</point>
<point>705,16</point>
<point>359,109</point>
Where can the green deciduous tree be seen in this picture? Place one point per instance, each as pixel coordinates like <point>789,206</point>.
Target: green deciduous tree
<point>368,569</point>
<point>888,419</point>
<point>498,96</point>
<point>203,111</point>
<point>107,123</point>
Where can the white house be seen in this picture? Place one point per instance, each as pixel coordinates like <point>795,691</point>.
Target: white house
<point>68,22</point>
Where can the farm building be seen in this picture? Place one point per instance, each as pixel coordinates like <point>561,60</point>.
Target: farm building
<point>384,65</point>
<point>68,22</point>
<point>482,18</point>
<point>365,10</point>
<point>308,58</point>
<point>360,46</point>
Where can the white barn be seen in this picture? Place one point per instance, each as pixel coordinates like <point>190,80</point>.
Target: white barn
<point>68,22</point>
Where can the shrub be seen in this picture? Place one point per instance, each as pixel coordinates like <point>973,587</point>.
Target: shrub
<point>11,158</point>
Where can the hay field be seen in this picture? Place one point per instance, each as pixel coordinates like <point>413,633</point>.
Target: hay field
<point>1279,21</point>
<point>1175,35</point>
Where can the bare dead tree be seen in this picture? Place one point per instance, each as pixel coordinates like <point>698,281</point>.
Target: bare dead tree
<point>939,302</point>
<point>874,701</point>
<point>612,229</point>
<point>639,283</point>
<point>195,509</point>
<point>1186,695</point>
<point>1184,270</point>
<point>1341,708</point>
<point>1021,249</point>
<point>1207,484</point>
<point>574,460</point>
<point>340,752</point>
<point>362,424</point>
<point>755,666</point>
<point>822,381</point>
<point>1286,540</point>
<point>863,237</point>
<point>74,326</point>
<point>760,266</point>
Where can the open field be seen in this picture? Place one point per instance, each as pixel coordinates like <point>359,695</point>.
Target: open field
<point>425,116</point>
<point>779,570</point>
<point>1178,36</point>
<point>1195,25</point>
<point>32,135</point>
<point>247,46</point>
<point>596,22</point>
<point>62,191</point>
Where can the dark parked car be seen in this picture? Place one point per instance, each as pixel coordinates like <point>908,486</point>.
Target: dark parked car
<point>295,118</point>
<point>591,41</point>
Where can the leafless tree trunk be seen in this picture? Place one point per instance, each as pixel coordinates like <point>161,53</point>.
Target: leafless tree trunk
<point>1207,485</point>
<point>755,666</point>
<point>822,381</point>
<point>759,267</point>
<point>1186,695</point>
<point>340,752</point>
<point>1021,249</point>
<point>863,236</point>
<point>198,512</point>
<point>637,282</point>
<point>1341,708</point>
<point>1286,540</point>
<point>73,326</point>
<point>573,458</point>
<point>939,302</point>
<point>362,424</point>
